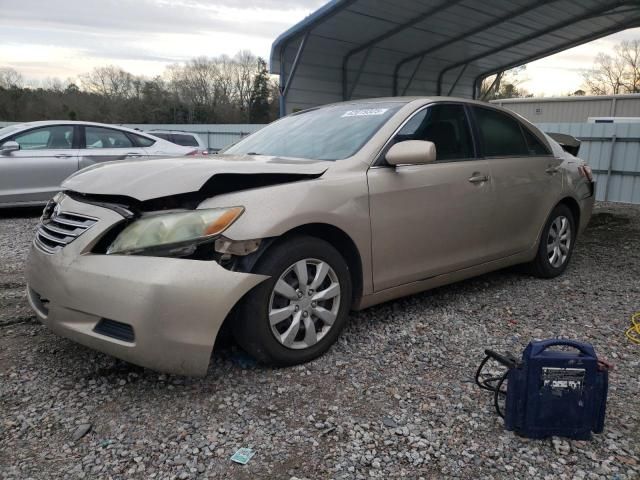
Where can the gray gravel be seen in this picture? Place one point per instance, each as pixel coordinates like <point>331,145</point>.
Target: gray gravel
<point>393,399</point>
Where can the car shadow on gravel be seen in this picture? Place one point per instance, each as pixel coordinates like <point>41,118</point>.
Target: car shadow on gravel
<point>608,220</point>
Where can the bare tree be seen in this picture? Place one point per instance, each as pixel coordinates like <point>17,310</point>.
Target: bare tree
<point>606,76</point>
<point>54,84</point>
<point>10,78</point>
<point>504,85</point>
<point>110,81</point>
<point>616,73</point>
<point>246,68</point>
<point>195,84</point>
<point>630,54</point>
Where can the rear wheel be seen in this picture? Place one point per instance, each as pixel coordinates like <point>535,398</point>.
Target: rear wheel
<point>298,313</point>
<point>556,244</point>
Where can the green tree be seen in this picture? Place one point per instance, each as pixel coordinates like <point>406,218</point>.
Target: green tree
<point>259,110</point>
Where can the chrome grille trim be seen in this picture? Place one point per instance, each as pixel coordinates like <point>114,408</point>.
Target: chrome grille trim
<point>59,230</point>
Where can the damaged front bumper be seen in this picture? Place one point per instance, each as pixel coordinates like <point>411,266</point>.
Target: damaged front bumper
<point>160,313</point>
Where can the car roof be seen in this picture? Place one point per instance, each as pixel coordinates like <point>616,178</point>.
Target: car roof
<point>170,131</point>
<point>46,123</point>
<point>417,99</point>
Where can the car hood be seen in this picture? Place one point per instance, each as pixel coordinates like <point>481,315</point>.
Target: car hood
<point>148,179</point>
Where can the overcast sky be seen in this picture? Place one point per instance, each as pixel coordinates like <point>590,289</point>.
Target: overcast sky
<point>65,38</point>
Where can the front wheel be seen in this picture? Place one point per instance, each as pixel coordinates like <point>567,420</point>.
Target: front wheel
<point>556,244</point>
<point>298,313</point>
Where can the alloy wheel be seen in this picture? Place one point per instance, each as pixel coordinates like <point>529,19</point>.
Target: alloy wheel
<point>304,303</point>
<point>559,241</point>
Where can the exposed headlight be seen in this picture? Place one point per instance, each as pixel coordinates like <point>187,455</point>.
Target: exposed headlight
<point>174,229</point>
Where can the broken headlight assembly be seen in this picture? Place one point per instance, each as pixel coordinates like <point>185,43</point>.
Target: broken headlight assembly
<point>173,234</point>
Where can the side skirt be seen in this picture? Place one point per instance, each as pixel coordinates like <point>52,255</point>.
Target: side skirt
<point>445,279</point>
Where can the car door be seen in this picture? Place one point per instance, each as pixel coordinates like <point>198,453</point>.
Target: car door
<point>430,219</point>
<point>33,174</point>
<point>103,144</point>
<point>525,179</point>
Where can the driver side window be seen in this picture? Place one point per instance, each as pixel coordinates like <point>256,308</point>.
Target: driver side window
<point>46,138</point>
<point>446,126</point>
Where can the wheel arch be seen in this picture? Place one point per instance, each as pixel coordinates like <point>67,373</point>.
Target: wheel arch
<point>574,206</point>
<point>343,243</point>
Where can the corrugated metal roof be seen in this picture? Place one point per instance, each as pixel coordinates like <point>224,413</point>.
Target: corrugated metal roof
<point>370,48</point>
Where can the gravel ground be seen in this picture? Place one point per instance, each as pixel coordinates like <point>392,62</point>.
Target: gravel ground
<point>394,398</point>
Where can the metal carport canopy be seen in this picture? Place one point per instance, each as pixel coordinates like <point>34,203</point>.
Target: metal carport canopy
<point>352,49</point>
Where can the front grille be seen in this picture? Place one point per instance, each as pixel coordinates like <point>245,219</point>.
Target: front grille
<point>118,330</point>
<point>59,230</point>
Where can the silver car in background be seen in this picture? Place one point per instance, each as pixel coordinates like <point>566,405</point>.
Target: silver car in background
<point>36,157</point>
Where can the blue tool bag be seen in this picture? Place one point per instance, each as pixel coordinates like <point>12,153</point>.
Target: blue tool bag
<point>550,392</point>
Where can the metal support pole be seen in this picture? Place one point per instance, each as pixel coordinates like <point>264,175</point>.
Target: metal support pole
<point>613,107</point>
<point>284,87</point>
<point>355,80</point>
<point>457,79</point>
<point>606,186</point>
<point>413,74</point>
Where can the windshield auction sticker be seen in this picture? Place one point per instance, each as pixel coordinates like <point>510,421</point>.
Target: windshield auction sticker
<point>369,112</point>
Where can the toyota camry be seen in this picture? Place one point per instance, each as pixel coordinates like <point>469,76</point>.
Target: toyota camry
<point>279,237</point>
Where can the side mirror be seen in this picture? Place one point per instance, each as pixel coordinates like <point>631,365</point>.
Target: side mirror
<point>411,152</point>
<point>8,147</point>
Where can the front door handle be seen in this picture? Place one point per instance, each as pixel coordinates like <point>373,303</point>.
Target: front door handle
<point>552,170</point>
<point>63,155</point>
<point>477,178</point>
<point>134,155</point>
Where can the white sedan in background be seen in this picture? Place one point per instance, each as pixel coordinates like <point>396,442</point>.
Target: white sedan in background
<point>36,157</point>
<point>186,139</point>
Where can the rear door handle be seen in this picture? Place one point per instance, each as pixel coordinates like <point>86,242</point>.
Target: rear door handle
<point>134,155</point>
<point>63,155</point>
<point>552,170</point>
<point>479,178</point>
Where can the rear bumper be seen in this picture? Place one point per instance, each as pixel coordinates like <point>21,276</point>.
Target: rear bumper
<point>175,307</point>
<point>586,208</point>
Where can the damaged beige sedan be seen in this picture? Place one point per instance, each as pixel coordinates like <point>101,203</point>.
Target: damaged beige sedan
<point>280,236</point>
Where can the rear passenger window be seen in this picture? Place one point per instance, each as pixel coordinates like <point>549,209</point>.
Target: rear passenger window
<point>143,141</point>
<point>444,125</point>
<point>500,134</point>
<point>535,146</point>
<point>185,140</point>
<point>98,137</point>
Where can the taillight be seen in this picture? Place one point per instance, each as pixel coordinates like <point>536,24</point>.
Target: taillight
<point>585,171</point>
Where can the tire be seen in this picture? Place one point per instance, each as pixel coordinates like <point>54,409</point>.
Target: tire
<point>284,344</point>
<point>554,254</point>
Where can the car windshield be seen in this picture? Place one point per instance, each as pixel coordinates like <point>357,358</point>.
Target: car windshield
<point>328,133</point>
<point>9,129</point>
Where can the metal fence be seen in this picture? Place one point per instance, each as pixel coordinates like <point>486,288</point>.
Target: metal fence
<point>215,137</point>
<point>613,151</point>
